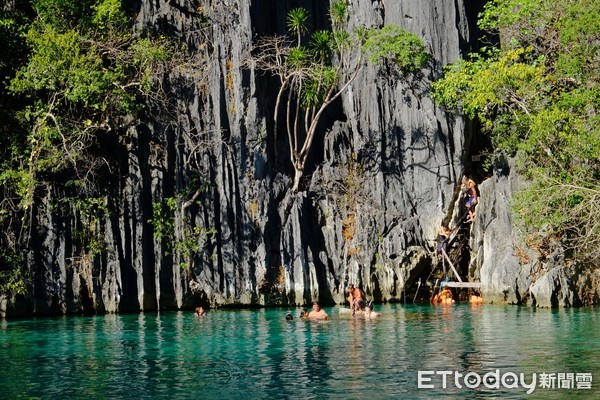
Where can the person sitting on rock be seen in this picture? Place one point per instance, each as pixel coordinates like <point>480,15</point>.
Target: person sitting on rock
<point>356,297</point>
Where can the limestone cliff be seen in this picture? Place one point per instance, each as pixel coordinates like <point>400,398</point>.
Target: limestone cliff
<point>381,178</point>
<point>516,272</point>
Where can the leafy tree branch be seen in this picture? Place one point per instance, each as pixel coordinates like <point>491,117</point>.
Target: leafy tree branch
<point>77,75</point>
<point>537,95</point>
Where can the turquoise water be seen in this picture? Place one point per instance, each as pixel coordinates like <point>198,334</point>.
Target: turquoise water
<point>256,354</point>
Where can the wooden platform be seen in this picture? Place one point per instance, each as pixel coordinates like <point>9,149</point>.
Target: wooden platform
<point>474,285</point>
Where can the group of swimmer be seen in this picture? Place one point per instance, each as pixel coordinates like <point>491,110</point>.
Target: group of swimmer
<point>317,313</point>
<point>358,306</point>
<point>445,297</point>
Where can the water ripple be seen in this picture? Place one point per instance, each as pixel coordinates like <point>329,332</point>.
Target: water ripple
<point>255,354</point>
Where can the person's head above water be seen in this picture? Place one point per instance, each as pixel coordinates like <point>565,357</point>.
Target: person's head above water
<point>200,311</point>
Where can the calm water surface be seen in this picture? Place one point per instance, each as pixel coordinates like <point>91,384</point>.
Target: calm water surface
<point>256,354</point>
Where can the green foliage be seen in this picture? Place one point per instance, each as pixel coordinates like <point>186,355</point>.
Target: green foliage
<point>521,15</point>
<point>189,240</point>
<point>109,14</point>
<point>537,95</point>
<point>297,21</point>
<point>12,138</point>
<point>361,34</point>
<point>483,86</point>
<point>403,49</point>
<point>74,76</point>
<point>14,274</point>
<point>342,41</point>
<point>338,13</point>
<point>320,45</point>
<point>99,15</point>
<point>318,85</point>
<point>82,71</point>
<point>92,211</point>
<point>58,62</point>
<point>23,184</point>
<point>64,14</point>
<point>163,219</point>
<point>297,58</point>
<point>11,22</point>
<point>74,67</point>
<point>146,54</point>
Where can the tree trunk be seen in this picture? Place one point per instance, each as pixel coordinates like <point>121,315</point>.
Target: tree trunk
<point>297,177</point>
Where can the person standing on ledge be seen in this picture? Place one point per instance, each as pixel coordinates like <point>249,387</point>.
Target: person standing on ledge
<point>317,313</point>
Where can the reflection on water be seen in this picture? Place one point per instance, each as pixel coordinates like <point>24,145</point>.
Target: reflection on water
<point>252,354</point>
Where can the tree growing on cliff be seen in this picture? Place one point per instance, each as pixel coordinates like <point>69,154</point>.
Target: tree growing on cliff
<point>78,76</point>
<point>537,95</point>
<point>314,71</point>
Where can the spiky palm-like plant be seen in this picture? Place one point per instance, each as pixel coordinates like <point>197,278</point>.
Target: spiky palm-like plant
<point>297,58</point>
<point>338,12</point>
<point>297,22</point>
<point>320,45</point>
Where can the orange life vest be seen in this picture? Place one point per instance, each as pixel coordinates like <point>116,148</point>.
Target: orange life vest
<point>444,297</point>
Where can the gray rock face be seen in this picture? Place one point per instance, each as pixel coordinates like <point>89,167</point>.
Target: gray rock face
<point>380,180</point>
<point>509,270</point>
<point>494,240</point>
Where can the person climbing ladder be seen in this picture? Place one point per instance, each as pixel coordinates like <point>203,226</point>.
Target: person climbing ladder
<point>471,193</point>
<point>442,238</point>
